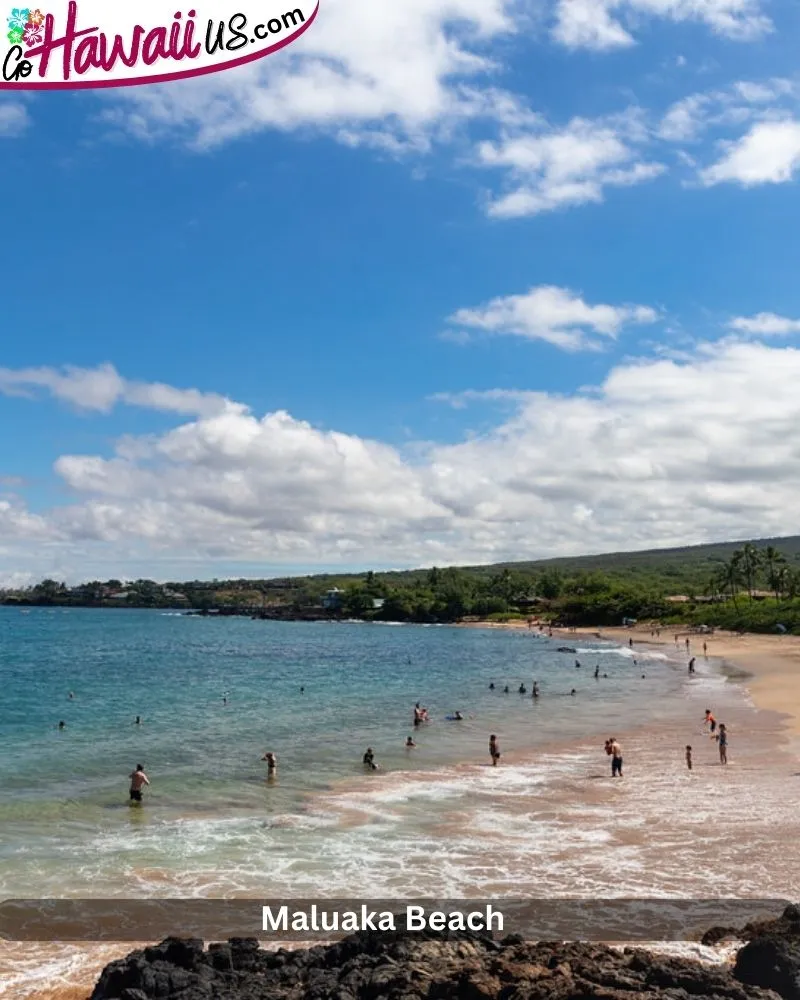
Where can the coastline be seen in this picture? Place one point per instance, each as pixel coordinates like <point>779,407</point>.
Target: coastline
<point>769,665</point>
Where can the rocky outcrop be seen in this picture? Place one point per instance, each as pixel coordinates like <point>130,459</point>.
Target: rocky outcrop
<point>440,966</point>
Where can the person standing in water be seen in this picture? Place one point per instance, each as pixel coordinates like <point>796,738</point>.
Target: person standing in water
<point>494,750</point>
<point>710,721</point>
<point>722,739</point>
<point>597,672</point>
<point>272,763</point>
<point>410,744</point>
<point>691,665</point>
<point>688,756</point>
<point>138,780</point>
<point>535,692</point>
<point>705,649</point>
<point>369,760</point>
<point>616,758</point>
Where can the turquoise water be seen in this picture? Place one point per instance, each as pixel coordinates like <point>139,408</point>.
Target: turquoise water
<point>211,823</point>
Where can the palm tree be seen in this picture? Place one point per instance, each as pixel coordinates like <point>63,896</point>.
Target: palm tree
<point>774,562</point>
<point>750,560</point>
<point>731,576</point>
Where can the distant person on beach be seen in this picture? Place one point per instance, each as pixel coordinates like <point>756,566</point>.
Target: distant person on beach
<point>573,691</point>
<point>137,721</point>
<point>691,664</point>
<point>491,686</point>
<point>705,649</point>
<point>272,762</point>
<point>535,693</point>
<point>577,664</point>
<point>494,750</point>
<point>722,740</point>
<point>369,760</point>
<point>410,744</point>
<point>505,689</point>
<point>457,717</point>
<point>71,695</point>
<point>522,689</point>
<point>597,672</point>
<point>302,690</point>
<point>687,643</point>
<point>616,758</point>
<point>710,721</point>
<point>138,780</point>
<point>62,725</point>
<point>688,756</point>
<point>630,642</point>
<point>225,698</point>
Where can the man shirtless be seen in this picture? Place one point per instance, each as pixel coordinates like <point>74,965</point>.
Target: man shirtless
<point>138,780</point>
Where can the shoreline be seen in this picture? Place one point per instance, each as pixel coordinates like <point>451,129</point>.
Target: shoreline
<point>769,665</point>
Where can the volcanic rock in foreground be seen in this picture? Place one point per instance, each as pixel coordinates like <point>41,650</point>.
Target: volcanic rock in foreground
<point>412,966</point>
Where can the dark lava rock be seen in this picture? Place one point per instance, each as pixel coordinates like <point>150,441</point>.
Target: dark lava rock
<point>429,966</point>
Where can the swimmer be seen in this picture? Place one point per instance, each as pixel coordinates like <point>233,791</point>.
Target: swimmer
<point>272,762</point>
<point>369,759</point>
<point>505,689</point>
<point>71,695</point>
<point>643,677</point>
<point>605,677</point>
<point>522,689</point>
<point>573,691</point>
<point>410,744</point>
<point>494,750</point>
<point>137,721</point>
<point>491,686</point>
<point>688,756</point>
<point>458,717</point>
<point>62,725</point>
<point>138,780</point>
<point>302,690</point>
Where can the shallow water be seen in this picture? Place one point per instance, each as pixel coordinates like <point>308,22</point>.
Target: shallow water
<point>434,821</point>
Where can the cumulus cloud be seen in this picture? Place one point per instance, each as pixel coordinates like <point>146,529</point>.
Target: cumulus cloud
<point>363,71</point>
<point>102,388</point>
<point>769,153</point>
<point>552,168</point>
<point>591,24</point>
<point>662,452</point>
<point>14,118</point>
<point>765,324</point>
<point>665,451</point>
<point>556,315</point>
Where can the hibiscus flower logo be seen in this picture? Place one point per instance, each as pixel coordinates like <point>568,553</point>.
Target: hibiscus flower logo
<point>19,18</point>
<point>15,36</point>
<point>33,34</point>
<point>36,17</point>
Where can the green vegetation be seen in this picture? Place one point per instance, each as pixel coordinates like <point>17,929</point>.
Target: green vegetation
<point>753,586</point>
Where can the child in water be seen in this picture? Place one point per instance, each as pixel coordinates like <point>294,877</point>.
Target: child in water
<point>369,760</point>
<point>722,739</point>
<point>410,744</point>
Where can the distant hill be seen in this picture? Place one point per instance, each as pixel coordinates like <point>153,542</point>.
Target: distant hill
<point>677,570</point>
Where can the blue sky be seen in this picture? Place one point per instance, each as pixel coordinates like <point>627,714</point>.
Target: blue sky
<point>532,206</point>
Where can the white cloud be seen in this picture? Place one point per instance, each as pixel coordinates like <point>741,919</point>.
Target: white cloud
<point>663,452</point>
<point>102,388</point>
<point>741,102</point>
<point>765,324</point>
<point>768,154</point>
<point>556,315</point>
<point>554,168</point>
<point>590,24</point>
<point>13,118</point>
<point>377,73</point>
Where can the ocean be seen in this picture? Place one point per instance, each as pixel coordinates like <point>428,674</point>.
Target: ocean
<point>433,821</point>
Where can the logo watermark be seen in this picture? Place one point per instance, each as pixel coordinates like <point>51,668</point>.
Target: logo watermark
<point>71,45</point>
